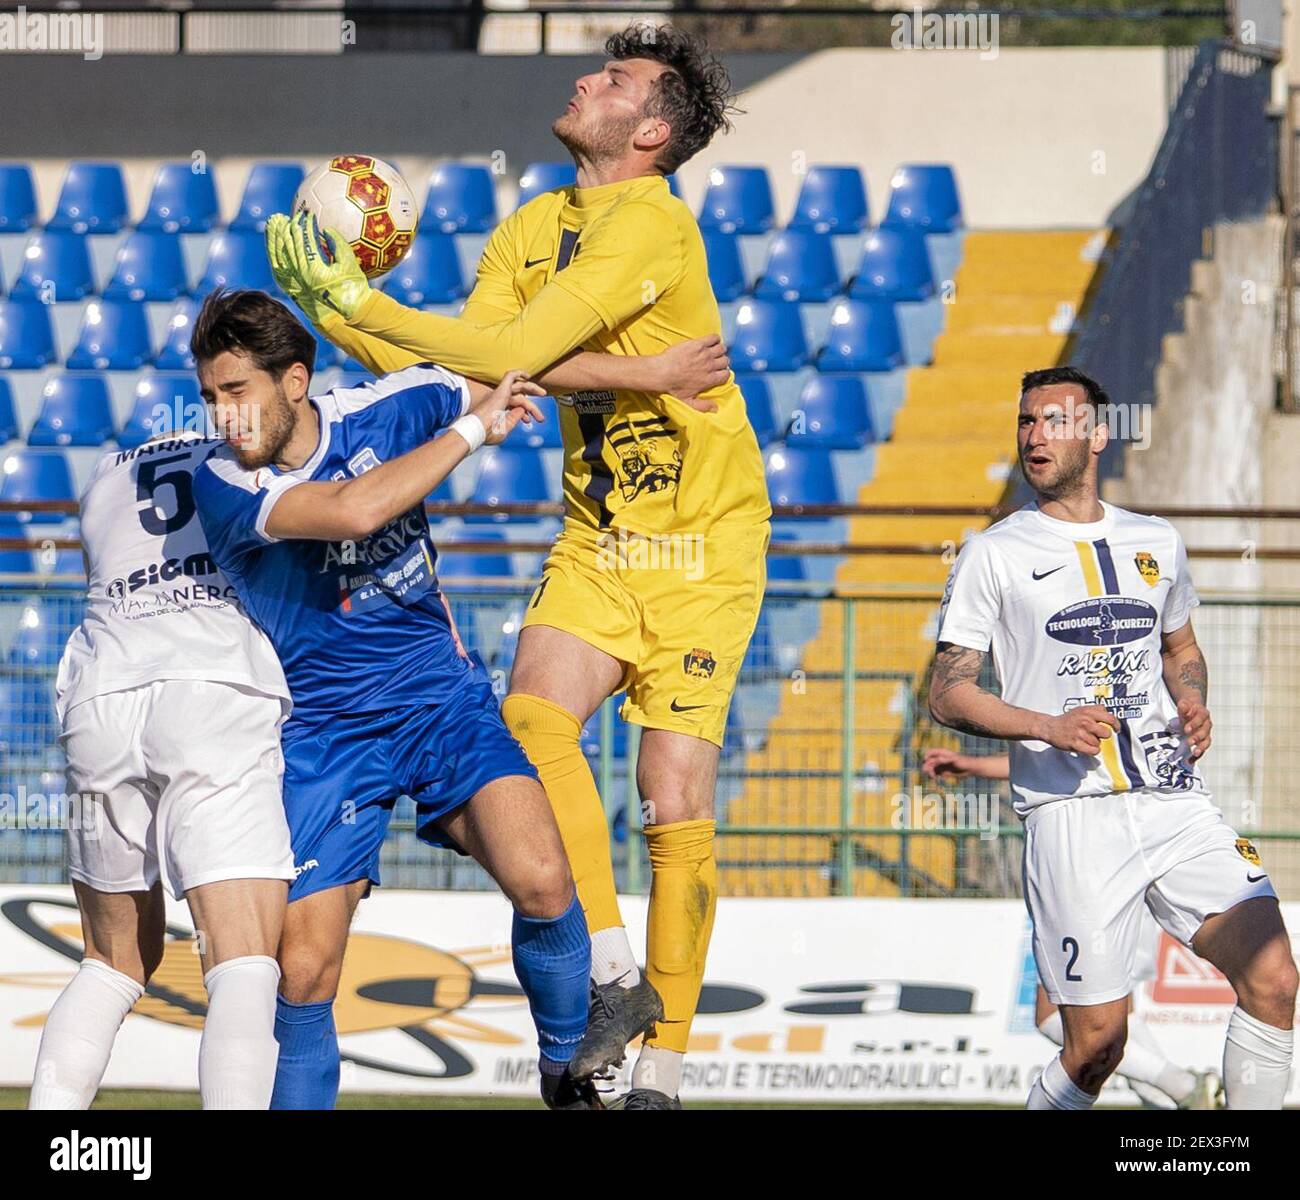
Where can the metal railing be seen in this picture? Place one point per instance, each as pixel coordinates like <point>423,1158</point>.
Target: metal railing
<point>820,787</point>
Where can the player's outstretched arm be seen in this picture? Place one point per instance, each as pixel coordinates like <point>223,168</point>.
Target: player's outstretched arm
<point>685,371</point>
<point>356,508</point>
<point>957,701</point>
<point>1188,680</point>
<point>948,764</point>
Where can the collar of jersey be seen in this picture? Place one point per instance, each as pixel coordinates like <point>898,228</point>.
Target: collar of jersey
<point>1078,531</point>
<point>308,469</point>
<point>585,199</point>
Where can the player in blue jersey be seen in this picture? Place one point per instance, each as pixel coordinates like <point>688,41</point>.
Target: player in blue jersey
<point>386,701</point>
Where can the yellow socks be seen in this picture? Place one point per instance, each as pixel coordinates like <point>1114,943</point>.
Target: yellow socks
<point>550,736</point>
<point>683,897</point>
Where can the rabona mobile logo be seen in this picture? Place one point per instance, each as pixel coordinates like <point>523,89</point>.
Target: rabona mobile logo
<point>1102,621</point>
<point>194,567</point>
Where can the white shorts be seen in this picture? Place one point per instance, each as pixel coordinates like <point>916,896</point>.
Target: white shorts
<point>180,781</point>
<point>1093,864</point>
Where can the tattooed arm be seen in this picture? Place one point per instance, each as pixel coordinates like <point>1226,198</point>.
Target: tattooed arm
<point>1188,681</point>
<point>957,700</point>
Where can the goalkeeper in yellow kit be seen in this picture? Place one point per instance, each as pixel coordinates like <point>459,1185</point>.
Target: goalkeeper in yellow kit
<point>655,582</point>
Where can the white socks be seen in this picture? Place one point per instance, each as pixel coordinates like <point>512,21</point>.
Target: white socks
<point>659,1070</point>
<point>238,1053</point>
<point>78,1036</point>
<point>1142,1062</point>
<point>1256,1062</point>
<point>1055,1089</point>
<point>612,957</point>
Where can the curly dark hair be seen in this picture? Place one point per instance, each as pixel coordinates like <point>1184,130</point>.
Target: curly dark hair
<point>693,95</point>
<point>256,324</point>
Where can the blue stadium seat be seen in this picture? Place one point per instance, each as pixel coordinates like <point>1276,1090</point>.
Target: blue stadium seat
<point>36,475</point>
<point>75,411</point>
<point>92,199</point>
<point>442,494</point>
<point>455,564</point>
<point>759,662</point>
<point>8,416</point>
<point>182,201</point>
<point>27,724</point>
<point>863,337</point>
<point>114,337</point>
<point>17,198</point>
<point>163,402</point>
<point>542,177</point>
<point>237,259</point>
<point>769,337</point>
<point>674,188</point>
<point>759,407</point>
<point>800,266</point>
<point>738,200</point>
<point>270,189</point>
<point>175,353</point>
<point>545,436</point>
<point>590,736</point>
<point>43,631</point>
<point>56,268</point>
<point>26,336</point>
<point>726,271</point>
<point>831,200</point>
<point>150,266</point>
<point>924,195</point>
<point>462,199</point>
<point>785,568</point>
<point>14,562</point>
<point>327,353</point>
<point>895,266</point>
<point>429,274</point>
<point>834,411</point>
<point>512,474</point>
<point>802,475</point>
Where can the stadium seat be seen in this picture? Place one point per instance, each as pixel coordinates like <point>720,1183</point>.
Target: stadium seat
<point>895,266</point>
<point>801,475</point>
<point>76,410</point>
<point>36,475</point>
<point>759,407</point>
<point>183,200</point>
<point>674,187</point>
<point>542,177</point>
<point>442,494</point>
<point>462,199</point>
<point>726,271</point>
<point>8,416</point>
<point>429,274</point>
<point>17,198</point>
<point>14,562</point>
<point>56,268</point>
<point>800,266</point>
<point>27,724</point>
<point>92,199</point>
<point>831,200</point>
<point>456,564</point>
<point>114,337</point>
<point>164,403</point>
<point>769,337</point>
<point>43,631</point>
<point>738,200</point>
<point>512,474</point>
<point>545,436</point>
<point>924,196</point>
<point>327,353</point>
<point>26,335</point>
<point>150,266</point>
<point>237,259</point>
<point>863,337</point>
<point>834,411</point>
<point>175,353</point>
<point>785,568</point>
<point>270,189</point>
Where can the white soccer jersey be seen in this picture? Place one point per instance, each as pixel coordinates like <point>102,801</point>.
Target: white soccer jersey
<point>157,606</point>
<point>1074,615</point>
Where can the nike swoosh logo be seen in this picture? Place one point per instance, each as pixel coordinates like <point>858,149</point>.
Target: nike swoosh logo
<point>1053,571</point>
<point>1256,878</point>
<point>683,707</point>
<point>532,262</point>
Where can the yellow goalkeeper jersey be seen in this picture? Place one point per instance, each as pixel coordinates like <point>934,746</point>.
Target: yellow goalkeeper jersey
<point>618,268</point>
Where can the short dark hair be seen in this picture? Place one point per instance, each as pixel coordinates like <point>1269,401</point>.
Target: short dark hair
<point>1049,375</point>
<point>693,95</point>
<point>255,324</point>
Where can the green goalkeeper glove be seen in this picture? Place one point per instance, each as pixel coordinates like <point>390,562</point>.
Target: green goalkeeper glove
<point>338,284</point>
<point>279,236</point>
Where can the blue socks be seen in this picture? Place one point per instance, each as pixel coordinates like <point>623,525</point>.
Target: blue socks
<point>552,958</point>
<point>307,1074</point>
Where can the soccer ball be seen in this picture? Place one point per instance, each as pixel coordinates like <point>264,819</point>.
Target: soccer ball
<point>368,202</point>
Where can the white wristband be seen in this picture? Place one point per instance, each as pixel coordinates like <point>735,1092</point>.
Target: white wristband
<point>471,429</point>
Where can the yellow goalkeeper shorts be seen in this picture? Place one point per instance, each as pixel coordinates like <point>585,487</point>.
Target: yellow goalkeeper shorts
<point>677,610</point>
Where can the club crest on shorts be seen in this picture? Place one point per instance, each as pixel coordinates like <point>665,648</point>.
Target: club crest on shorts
<point>699,664</point>
<point>1248,852</point>
<point>1147,567</point>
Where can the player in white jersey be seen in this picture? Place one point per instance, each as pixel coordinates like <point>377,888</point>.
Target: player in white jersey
<point>1086,609</point>
<point>1159,1082</point>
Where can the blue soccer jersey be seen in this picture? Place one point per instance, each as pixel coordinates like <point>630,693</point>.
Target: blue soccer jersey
<point>359,627</point>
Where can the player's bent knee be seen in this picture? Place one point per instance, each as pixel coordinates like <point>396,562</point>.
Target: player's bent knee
<point>1267,988</point>
<point>546,891</point>
<point>309,972</point>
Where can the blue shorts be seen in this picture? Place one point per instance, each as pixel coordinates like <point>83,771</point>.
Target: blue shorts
<point>344,773</point>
